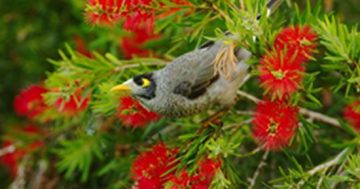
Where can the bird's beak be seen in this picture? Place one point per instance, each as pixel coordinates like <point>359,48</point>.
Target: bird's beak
<point>121,88</point>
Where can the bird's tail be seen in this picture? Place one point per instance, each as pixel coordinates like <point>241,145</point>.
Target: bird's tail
<point>228,57</point>
<point>226,60</point>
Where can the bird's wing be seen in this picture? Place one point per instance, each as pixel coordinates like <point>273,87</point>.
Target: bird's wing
<point>196,71</point>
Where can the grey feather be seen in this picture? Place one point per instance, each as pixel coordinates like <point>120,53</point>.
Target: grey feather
<point>191,84</point>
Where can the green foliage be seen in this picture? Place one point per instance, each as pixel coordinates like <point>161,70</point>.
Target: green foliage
<point>343,51</point>
<point>95,146</point>
<point>353,168</point>
<point>78,155</point>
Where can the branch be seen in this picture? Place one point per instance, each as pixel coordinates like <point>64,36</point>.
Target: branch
<point>242,112</point>
<point>324,166</point>
<point>311,114</point>
<point>249,96</point>
<point>242,5</point>
<point>330,163</point>
<point>320,117</point>
<point>38,178</point>
<point>20,180</point>
<point>255,151</point>
<point>258,169</point>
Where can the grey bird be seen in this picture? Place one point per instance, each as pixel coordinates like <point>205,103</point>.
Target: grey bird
<point>192,83</point>
<point>196,81</point>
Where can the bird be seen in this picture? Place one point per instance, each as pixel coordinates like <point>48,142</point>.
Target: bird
<point>201,79</point>
<point>204,78</point>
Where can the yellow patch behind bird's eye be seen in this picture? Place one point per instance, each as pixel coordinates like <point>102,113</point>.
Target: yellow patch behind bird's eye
<point>145,82</point>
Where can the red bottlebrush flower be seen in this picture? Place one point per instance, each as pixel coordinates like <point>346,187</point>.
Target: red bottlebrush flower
<point>75,104</point>
<point>30,101</point>
<point>81,47</point>
<point>280,73</point>
<point>200,180</point>
<point>132,45</point>
<point>174,9</point>
<point>274,124</point>
<point>9,159</point>
<point>140,22</point>
<point>352,114</point>
<point>149,167</point>
<point>183,180</point>
<point>297,40</point>
<point>206,173</point>
<point>14,154</point>
<point>103,12</point>
<point>109,12</point>
<point>133,114</point>
<point>138,16</point>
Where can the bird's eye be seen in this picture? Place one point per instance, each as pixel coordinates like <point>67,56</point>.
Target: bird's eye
<point>145,82</point>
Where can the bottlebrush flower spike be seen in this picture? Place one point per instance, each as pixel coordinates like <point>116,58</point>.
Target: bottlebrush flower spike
<point>183,180</point>
<point>132,45</point>
<point>139,22</point>
<point>202,179</point>
<point>274,124</point>
<point>352,114</point>
<point>280,73</point>
<point>109,12</point>
<point>75,104</point>
<point>133,114</point>
<point>30,102</point>
<point>299,40</point>
<point>141,27</point>
<point>149,167</point>
<point>10,159</point>
<point>206,173</point>
<point>103,12</point>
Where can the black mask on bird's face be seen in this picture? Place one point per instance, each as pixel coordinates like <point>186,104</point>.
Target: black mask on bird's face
<point>141,87</point>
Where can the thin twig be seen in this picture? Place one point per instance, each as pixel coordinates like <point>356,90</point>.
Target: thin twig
<point>330,163</point>
<point>20,179</point>
<point>242,5</point>
<point>339,172</point>
<point>311,114</point>
<point>165,130</point>
<point>324,166</point>
<point>246,78</point>
<point>320,117</point>
<point>235,125</point>
<point>7,150</point>
<point>242,112</point>
<point>249,96</point>
<point>258,169</point>
<point>128,66</point>
<point>39,176</point>
<point>318,185</point>
<point>255,151</point>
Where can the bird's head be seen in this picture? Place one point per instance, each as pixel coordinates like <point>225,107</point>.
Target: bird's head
<point>142,87</point>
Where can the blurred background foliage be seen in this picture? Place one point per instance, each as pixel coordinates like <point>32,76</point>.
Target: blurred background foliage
<point>33,31</point>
